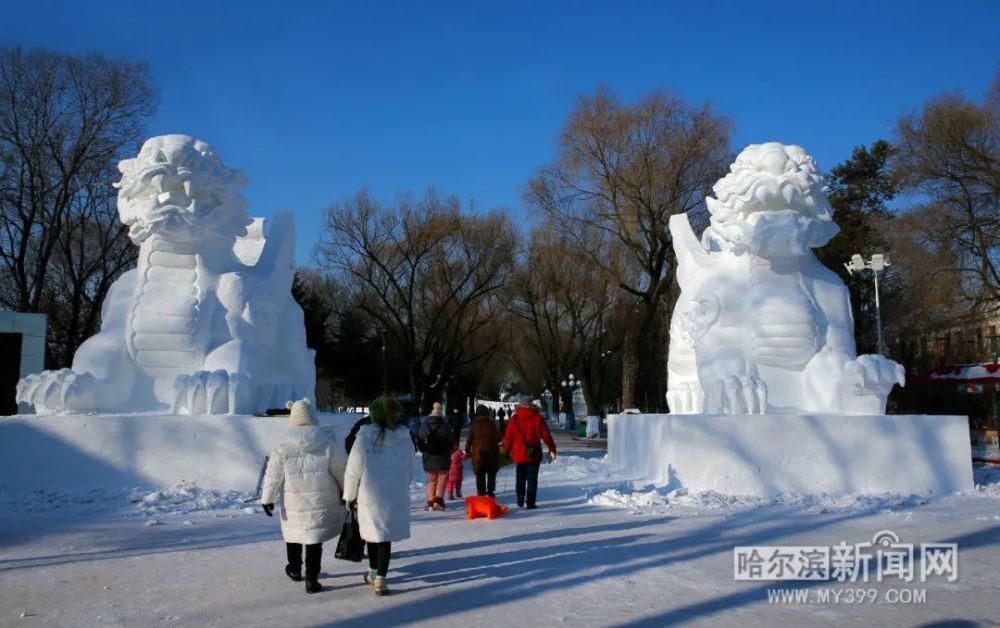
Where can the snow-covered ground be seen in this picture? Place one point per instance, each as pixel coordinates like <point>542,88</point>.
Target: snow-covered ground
<point>595,553</point>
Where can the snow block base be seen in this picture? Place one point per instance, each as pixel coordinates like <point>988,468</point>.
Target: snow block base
<point>784,454</point>
<point>120,451</point>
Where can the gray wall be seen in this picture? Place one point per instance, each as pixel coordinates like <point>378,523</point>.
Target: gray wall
<point>32,329</point>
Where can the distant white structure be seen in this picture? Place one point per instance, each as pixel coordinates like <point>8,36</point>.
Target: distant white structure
<point>22,345</point>
<point>761,326</point>
<point>206,323</point>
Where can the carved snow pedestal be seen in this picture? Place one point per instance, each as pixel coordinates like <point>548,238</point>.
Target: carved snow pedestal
<point>763,328</point>
<point>206,324</point>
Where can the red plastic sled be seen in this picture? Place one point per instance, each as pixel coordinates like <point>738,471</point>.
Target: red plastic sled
<point>483,506</point>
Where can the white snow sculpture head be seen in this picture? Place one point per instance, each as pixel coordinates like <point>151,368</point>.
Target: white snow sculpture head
<point>761,325</point>
<point>178,188</point>
<point>773,202</point>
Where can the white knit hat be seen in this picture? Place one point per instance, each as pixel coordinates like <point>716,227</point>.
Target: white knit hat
<point>302,413</point>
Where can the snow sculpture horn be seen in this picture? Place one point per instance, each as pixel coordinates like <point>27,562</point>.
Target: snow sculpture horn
<point>206,323</point>
<point>761,325</point>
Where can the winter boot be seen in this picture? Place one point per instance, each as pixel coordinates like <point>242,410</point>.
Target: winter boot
<point>458,493</point>
<point>370,576</point>
<point>294,574</point>
<point>431,504</point>
<point>313,586</point>
<point>380,587</point>
<point>451,497</point>
<point>440,503</point>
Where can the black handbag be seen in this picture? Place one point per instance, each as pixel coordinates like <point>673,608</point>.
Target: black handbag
<point>350,545</point>
<point>532,451</point>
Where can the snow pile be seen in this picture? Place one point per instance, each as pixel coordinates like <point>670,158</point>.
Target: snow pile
<point>576,468</point>
<point>987,480</point>
<point>635,502</point>
<point>656,501</point>
<point>183,499</point>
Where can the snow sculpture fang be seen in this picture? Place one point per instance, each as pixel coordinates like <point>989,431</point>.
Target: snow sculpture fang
<point>761,325</point>
<point>206,323</point>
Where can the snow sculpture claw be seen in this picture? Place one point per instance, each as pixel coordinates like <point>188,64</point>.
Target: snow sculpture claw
<point>686,398</point>
<point>870,378</point>
<point>212,392</point>
<point>761,325</point>
<point>737,394</point>
<point>206,324</point>
<point>59,391</point>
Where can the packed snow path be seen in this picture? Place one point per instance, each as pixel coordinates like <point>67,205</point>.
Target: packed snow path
<point>187,558</point>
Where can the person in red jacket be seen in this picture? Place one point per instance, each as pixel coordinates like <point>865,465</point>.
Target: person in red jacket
<point>522,441</point>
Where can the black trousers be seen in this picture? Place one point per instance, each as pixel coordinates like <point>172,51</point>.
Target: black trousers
<point>378,557</point>
<point>486,483</point>
<point>314,554</point>
<point>526,482</point>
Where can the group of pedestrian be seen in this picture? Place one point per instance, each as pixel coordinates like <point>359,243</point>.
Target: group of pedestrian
<point>316,481</point>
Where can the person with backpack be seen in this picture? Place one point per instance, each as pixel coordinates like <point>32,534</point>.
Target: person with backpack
<point>522,441</point>
<point>353,434</point>
<point>435,442</point>
<point>482,447</point>
<point>377,478</point>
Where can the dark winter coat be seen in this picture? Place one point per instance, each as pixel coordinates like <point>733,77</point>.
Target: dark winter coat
<point>482,445</point>
<point>435,441</point>
<point>526,425</point>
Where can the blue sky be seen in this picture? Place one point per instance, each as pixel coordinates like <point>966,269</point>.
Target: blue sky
<point>316,99</point>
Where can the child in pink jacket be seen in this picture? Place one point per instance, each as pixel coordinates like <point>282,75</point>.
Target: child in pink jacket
<point>454,485</point>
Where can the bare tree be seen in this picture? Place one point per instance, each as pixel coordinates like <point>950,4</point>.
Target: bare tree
<point>571,309</point>
<point>65,121</point>
<point>950,153</point>
<point>428,273</point>
<point>623,170</point>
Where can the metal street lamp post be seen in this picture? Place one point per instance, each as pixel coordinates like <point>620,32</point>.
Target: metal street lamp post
<point>547,400</point>
<point>568,388</point>
<point>876,264</point>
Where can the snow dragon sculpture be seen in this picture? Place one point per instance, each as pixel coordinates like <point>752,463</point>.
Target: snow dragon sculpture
<point>206,323</point>
<point>761,325</point>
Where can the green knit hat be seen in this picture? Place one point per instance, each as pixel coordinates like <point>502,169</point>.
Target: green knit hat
<point>384,411</point>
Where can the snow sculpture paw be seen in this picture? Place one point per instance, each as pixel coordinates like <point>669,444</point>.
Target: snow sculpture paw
<point>737,394</point>
<point>212,392</point>
<point>686,398</point>
<point>58,391</point>
<point>223,392</point>
<point>873,374</point>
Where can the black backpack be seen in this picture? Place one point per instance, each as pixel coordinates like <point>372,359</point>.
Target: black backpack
<point>438,439</point>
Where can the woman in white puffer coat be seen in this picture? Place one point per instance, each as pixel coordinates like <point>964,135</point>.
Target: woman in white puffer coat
<point>378,476</point>
<point>305,474</point>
